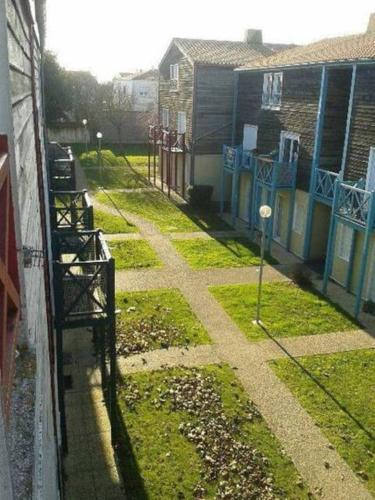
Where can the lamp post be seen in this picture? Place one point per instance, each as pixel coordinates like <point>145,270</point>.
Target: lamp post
<point>265,213</point>
<point>84,123</point>
<point>99,137</point>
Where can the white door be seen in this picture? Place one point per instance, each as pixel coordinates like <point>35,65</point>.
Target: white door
<point>370,179</point>
<point>279,214</point>
<point>250,136</point>
<point>289,147</point>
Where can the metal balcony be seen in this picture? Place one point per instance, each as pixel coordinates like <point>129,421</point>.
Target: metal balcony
<point>275,174</point>
<point>61,168</point>
<point>84,279</point>
<point>355,205</point>
<point>324,185</point>
<point>71,210</point>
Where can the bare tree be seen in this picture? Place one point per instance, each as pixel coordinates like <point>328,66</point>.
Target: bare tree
<point>117,108</point>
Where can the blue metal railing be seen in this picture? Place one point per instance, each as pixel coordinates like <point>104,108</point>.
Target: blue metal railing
<point>236,158</point>
<point>274,173</point>
<point>324,185</point>
<point>354,204</point>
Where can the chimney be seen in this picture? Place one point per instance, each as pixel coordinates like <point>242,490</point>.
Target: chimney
<point>371,24</point>
<point>253,36</point>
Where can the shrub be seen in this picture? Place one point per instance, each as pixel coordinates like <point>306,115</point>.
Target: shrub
<point>200,195</point>
<point>109,159</point>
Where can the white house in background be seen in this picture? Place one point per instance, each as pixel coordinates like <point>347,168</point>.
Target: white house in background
<point>141,88</point>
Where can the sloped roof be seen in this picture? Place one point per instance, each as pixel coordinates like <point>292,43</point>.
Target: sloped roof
<point>219,52</point>
<point>351,48</point>
<point>151,74</point>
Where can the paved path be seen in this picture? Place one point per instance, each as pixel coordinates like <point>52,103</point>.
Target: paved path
<point>297,432</point>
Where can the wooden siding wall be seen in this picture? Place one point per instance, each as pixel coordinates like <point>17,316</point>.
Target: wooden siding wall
<point>335,115</point>
<point>298,113</point>
<point>214,108</point>
<point>21,37</point>
<point>182,100</point>
<point>362,131</point>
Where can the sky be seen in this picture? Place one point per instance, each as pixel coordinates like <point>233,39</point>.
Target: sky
<point>112,36</point>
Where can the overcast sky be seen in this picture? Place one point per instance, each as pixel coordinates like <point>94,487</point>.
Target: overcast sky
<point>106,37</point>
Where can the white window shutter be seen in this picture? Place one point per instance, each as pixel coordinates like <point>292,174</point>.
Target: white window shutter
<point>277,89</point>
<point>176,75</point>
<point>267,89</point>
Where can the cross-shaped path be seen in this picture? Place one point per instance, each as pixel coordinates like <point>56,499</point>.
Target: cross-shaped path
<point>319,464</point>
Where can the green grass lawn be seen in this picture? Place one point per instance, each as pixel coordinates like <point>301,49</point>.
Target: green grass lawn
<point>156,319</point>
<point>350,377</point>
<point>168,217</point>
<point>162,436</point>
<point>114,177</point>
<point>287,310</point>
<point>224,252</point>
<point>112,224</point>
<point>130,254</point>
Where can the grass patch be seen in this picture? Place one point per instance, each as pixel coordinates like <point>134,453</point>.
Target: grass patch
<point>224,252</point>
<point>112,224</point>
<point>114,177</point>
<point>287,310</point>
<point>156,319</point>
<point>130,254</point>
<point>350,377</point>
<point>167,216</point>
<point>159,450</point>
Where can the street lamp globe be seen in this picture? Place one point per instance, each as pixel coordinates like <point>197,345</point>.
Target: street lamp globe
<point>265,211</point>
<point>99,135</point>
<point>84,121</point>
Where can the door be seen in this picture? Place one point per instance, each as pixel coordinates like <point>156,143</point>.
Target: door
<point>289,147</point>
<point>370,178</point>
<point>279,214</point>
<point>250,136</point>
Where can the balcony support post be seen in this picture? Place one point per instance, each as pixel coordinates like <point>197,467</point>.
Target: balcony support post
<point>315,160</point>
<point>364,256</point>
<point>235,187</point>
<point>222,184</point>
<point>331,240</point>
<point>250,195</point>
<point>253,200</point>
<point>292,199</point>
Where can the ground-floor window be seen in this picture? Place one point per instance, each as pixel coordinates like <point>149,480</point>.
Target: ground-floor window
<point>344,241</point>
<point>298,218</point>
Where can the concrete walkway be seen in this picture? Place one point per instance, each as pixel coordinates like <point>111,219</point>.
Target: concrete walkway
<point>326,473</point>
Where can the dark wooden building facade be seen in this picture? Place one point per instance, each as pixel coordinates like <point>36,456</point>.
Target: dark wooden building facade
<point>313,106</point>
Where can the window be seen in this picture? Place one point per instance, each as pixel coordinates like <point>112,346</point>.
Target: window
<point>344,241</point>
<point>143,93</point>
<point>181,122</point>
<point>173,75</point>
<point>165,117</point>
<point>298,215</point>
<point>289,147</point>
<point>272,89</point>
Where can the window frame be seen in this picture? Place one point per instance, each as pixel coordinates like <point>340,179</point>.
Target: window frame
<point>297,225</point>
<point>184,121</point>
<point>271,99</point>
<point>165,117</point>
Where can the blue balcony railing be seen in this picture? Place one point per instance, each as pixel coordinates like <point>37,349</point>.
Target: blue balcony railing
<point>272,173</point>
<point>355,205</point>
<point>232,157</point>
<point>324,185</point>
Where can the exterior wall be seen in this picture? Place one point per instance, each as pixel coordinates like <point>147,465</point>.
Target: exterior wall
<point>213,108</point>
<point>362,131</point>
<point>298,113</point>
<point>182,99</point>
<point>207,170</point>
<point>297,240</point>
<point>320,229</point>
<point>135,88</point>
<point>243,198</point>
<point>67,135</point>
<point>21,68</point>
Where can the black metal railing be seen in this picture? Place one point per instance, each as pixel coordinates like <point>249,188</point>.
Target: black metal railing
<point>84,276</point>
<point>61,168</point>
<point>71,210</point>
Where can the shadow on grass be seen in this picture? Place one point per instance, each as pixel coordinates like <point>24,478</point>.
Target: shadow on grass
<point>128,465</point>
<point>316,381</point>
